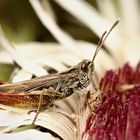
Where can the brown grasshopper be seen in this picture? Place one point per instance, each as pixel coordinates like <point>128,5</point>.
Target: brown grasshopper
<point>45,89</point>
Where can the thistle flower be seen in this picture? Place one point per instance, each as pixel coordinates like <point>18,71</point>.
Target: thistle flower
<point>117,116</point>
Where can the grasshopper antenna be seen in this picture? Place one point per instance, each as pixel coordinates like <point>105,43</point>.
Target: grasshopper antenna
<point>100,44</point>
<point>103,38</point>
<point>98,97</point>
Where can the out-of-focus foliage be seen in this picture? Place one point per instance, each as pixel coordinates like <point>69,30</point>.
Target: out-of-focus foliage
<point>20,23</point>
<point>5,71</point>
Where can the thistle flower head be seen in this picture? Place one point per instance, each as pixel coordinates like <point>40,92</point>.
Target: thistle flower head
<point>118,116</point>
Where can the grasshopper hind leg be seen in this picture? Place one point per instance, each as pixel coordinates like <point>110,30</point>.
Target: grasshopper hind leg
<point>38,108</point>
<point>53,95</point>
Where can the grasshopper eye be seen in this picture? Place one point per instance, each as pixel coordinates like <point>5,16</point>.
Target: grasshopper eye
<point>84,65</point>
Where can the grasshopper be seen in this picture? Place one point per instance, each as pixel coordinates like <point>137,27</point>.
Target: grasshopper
<point>43,90</point>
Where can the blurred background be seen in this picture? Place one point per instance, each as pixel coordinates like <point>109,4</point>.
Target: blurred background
<point>20,24</point>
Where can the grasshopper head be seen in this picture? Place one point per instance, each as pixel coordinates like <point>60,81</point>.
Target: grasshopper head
<point>87,67</point>
<point>85,72</point>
